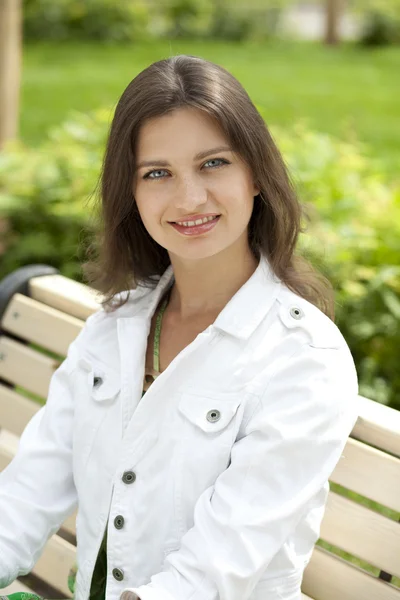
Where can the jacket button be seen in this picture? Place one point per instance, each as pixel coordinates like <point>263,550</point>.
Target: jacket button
<point>128,477</point>
<point>97,381</point>
<point>119,522</point>
<point>296,313</point>
<point>213,415</point>
<point>118,574</point>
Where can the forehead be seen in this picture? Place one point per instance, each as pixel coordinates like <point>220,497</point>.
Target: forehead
<point>184,128</point>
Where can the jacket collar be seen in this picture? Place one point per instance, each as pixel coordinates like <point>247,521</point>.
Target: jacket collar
<point>246,309</point>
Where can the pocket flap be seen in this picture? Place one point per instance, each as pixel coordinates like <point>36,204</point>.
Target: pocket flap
<point>209,414</point>
<point>104,383</point>
<point>105,386</point>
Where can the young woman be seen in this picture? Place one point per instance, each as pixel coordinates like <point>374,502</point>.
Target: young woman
<point>197,418</point>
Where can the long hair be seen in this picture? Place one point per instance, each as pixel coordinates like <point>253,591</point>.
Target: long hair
<point>126,254</point>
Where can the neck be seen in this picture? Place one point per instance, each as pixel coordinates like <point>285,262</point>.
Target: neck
<point>203,287</point>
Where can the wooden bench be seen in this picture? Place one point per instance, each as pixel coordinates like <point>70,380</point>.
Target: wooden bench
<point>42,312</point>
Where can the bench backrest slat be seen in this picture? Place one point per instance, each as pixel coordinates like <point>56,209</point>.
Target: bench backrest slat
<point>71,297</point>
<point>8,449</point>
<point>40,324</point>
<point>25,367</point>
<point>362,532</point>
<point>379,426</point>
<point>15,410</point>
<point>369,472</point>
<point>328,577</point>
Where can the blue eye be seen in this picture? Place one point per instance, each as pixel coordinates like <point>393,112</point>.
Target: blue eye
<point>153,174</point>
<point>221,162</point>
<point>147,176</point>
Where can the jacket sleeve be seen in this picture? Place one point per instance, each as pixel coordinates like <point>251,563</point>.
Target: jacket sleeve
<point>37,490</point>
<point>300,427</point>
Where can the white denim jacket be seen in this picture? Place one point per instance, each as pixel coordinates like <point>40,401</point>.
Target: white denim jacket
<point>219,473</point>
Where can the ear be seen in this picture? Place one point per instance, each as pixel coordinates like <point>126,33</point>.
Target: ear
<point>256,190</point>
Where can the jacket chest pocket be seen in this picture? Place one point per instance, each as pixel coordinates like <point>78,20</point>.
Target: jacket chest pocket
<point>209,425</point>
<point>207,419</point>
<point>96,391</point>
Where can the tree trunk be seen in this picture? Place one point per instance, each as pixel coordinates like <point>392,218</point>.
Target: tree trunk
<point>10,67</point>
<point>333,10</point>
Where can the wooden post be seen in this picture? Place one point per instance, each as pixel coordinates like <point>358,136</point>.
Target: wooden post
<point>333,10</point>
<point>10,67</point>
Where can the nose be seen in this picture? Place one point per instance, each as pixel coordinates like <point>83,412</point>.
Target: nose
<point>190,194</point>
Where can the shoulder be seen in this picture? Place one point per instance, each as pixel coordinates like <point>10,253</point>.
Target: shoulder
<point>303,319</point>
<point>125,305</point>
<point>98,340</point>
<point>307,361</point>
<point>296,340</point>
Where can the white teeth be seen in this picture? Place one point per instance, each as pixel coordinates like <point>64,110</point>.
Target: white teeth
<point>197,222</point>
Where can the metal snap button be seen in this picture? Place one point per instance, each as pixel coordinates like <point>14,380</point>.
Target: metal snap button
<point>97,381</point>
<point>296,312</point>
<point>118,574</point>
<point>128,477</point>
<point>119,522</point>
<point>213,415</point>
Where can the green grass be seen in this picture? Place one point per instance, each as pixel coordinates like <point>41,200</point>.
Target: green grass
<point>345,91</point>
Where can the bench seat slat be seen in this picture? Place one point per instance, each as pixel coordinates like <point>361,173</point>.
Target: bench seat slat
<point>25,367</point>
<point>328,577</point>
<point>369,472</point>
<point>362,532</point>
<point>16,586</point>
<point>45,326</point>
<point>55,563</point>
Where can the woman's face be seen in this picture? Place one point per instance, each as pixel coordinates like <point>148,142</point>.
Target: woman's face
<point>186,172</point>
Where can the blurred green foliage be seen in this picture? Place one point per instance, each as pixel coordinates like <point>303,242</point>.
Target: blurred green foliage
<point>46,192</point>
<point>106,20</point>
<point>353,235</point>
<point>133,20</point>
<point>380,21</point>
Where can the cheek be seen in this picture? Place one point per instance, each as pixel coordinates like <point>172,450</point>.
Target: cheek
<point>240,197</point>
<point>150,207</point>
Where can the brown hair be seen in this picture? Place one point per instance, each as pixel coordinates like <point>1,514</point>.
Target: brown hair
<point>127,255</point>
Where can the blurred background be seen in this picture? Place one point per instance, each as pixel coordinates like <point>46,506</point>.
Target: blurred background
<point>324,74</point>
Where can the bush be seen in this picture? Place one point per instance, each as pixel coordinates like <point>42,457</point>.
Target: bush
<point>354,237</point>
<point>380,22</point>
<point>353,230</point>
<point>132,20</point>
<point>380,29</point>
<point>46,193</point>
<point>239,22</point>
<point>105,20</point>
<point>188,18</point>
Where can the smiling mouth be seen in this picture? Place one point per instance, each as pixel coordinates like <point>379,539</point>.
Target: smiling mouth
<point>197,227</point>
<point>196,222</point>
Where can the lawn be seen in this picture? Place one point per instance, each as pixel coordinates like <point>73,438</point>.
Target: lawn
<point>344,91</point>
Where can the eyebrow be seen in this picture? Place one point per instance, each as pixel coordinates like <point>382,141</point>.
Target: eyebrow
<point>163,163</point>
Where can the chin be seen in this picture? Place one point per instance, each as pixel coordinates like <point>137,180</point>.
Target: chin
<point>196,252</point>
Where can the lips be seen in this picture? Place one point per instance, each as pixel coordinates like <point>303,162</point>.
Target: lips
<point>195,230</point>
<point>194,218</point>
